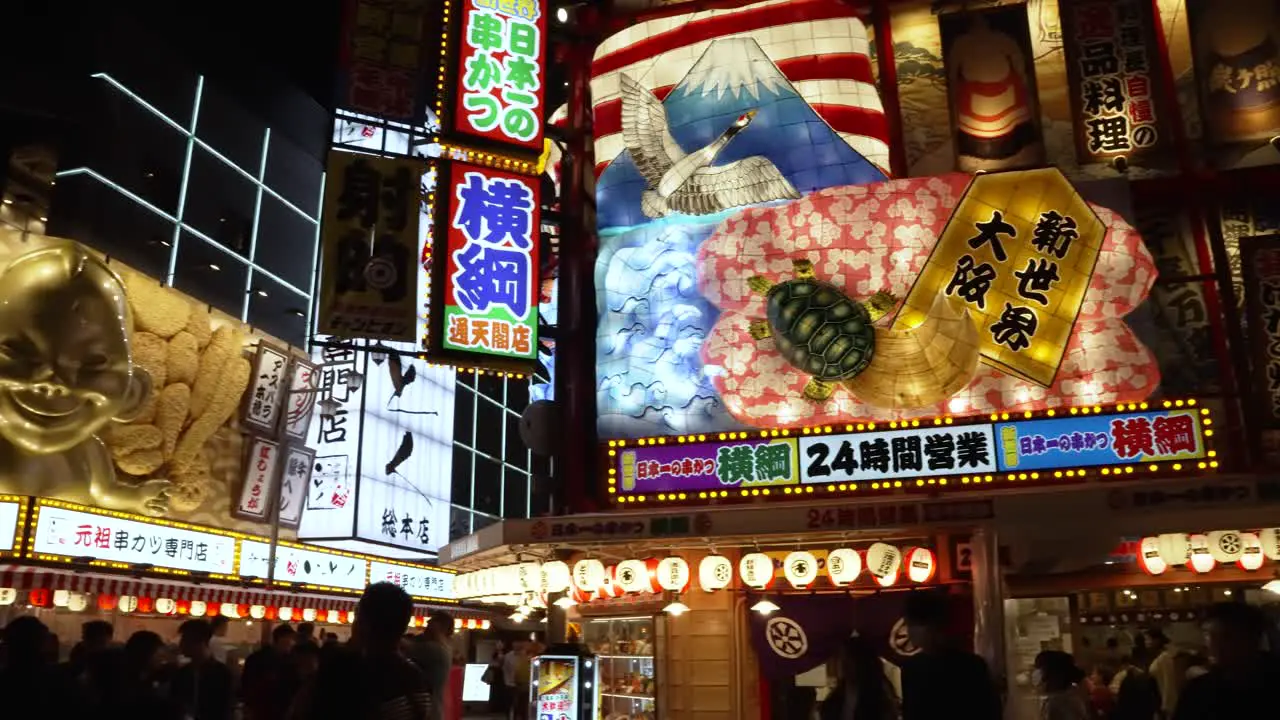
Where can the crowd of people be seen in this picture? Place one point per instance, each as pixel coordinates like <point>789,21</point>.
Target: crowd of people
<point>380,674</point>
<point>1155,682</point>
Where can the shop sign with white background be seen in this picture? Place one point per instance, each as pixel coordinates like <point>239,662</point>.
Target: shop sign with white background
<point>71,533</point>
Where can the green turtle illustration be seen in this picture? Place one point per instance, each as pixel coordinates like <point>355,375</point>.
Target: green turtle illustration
<point>819,329</point>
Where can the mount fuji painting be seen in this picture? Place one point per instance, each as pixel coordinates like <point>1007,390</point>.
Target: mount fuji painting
<point>734,132</point>
<point>733,111</point>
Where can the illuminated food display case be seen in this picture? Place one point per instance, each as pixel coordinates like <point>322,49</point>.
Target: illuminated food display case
<point>565,684</point>
<point>626,647</point>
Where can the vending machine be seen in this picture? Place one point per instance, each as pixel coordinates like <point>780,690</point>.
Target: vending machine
<point>565,684</point>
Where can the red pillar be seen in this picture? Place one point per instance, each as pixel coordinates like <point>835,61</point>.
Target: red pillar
<point>575,388</point>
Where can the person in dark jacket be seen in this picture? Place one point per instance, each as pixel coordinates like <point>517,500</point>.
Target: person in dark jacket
<point>203,686</point>
<point>1242,679</point>
<point>863,693</point>
<point>269,680</point>
<point>943,678</point>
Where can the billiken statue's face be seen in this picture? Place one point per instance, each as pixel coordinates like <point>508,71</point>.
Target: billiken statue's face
<point>65,364</point>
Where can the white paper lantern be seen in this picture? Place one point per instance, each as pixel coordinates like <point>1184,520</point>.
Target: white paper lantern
<point>921,565</point>
<point>61,598</point>
<point>1175,549</point>
<point>1225,545</point>
<point>285,614</point>
<point>1270,538</point>
<point>198,608</point>
<point>309,615</point>
<point>8,596</point>
<point>843,566</point>
<point>800,568</point>
<point>529,576</point>
<point>229,610</point>
<point>127,603</point>
<point>257,612</point>
<point>1201,557</point>
<point>588,575</point>
<point>883,562</point>
<point>673,574</point>
<point>715,572</point>
<point>1251,557</point>
<point>632,576</point>
<point>332,617</point>
<point>78,602</point>
<point>1149,556</point>
<point>555,576</point>
<point>756,570</point>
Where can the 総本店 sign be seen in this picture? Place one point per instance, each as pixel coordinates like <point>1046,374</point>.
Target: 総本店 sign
<point>500,72</point>
<point>369,245</point>
<point>910,453</point>
<point>484,300</point>
<point>1019,251</point>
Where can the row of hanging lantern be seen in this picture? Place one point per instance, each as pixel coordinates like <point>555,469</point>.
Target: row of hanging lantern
<point>1202,552</point>
<point>591,579</point>
<point>79,602</point>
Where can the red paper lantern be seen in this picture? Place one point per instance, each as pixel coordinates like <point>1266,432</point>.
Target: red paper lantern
<point>40,597</point>
<point>651,574</point>
<point>242,610</point>
<point>272,613</point>
<point>212,609</point>
<point>146,604</point>
<point>184,607</point>
<point>106,601</point>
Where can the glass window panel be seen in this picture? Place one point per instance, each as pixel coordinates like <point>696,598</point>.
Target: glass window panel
<point>459,523</point>
<point>294,174</point>
<point>210,275</point>
<point>286,243</point>
<point>219,202</point>
<point>488,485</point>
<point>489,427</point>
<point>278,310</point>
<point>461,486</point>
<point>515,499</point>
<point>102,217</point>
<point>230,129</point>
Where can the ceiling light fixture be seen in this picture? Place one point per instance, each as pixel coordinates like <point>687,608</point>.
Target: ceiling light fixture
<point>765,607</point>
<point>214,267</point>
<point>676,608</point>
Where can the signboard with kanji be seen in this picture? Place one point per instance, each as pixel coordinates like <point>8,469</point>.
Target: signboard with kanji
<point>267,386</point>
<point>1236,56</point>
<point>382,56</point>
<point>1115,83</point>
<point>369,244</point>
<point>1260,265</point>
<point>484,299</point>
<point>500,73</point>
<point>1019,250</point>
<point>894,457</point>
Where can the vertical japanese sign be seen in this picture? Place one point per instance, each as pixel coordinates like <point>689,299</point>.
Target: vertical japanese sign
<point>383,55</point>
<point>501,71</point>
<point>484,298</point>
<point>300,402</point>
<point>295,476</point>
<point>1260,263</point>
<point>1115,81</point>
<point>368,286</point>
<point>1019,250</point>
<point>1236,50</point>
<point>259,481</point>
<point>266,390</point>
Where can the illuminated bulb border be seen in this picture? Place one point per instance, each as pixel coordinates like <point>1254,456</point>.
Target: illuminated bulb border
<point>1209,463</point>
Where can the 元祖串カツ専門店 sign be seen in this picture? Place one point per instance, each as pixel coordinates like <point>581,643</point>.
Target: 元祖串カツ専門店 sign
<point>417,581</point>
<point>911,453</point>
<point>369,244</point>
<point>501,72</point>
<point>487,302</point>
<point>1019,251</point>
<point>72,534</point>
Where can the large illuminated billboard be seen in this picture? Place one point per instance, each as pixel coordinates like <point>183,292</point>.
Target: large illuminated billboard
<point>759,268</point>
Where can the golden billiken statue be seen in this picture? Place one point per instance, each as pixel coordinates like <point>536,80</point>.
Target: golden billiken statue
<point>65,372</point>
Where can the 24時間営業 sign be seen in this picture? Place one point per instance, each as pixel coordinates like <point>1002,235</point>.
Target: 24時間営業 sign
<point>499,92</point>
<point>911,453</point>
<point>488,291</point>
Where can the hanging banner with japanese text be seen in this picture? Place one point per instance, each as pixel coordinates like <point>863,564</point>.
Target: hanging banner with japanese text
<point>369,275</point>
<point>1236,52</point>
<point>312,566</point>
<point>1260,264</point>
<point>484,299</point>
<point>259,484</point>
<point>1114,80</point>
<point>261,411</point>
<point>295,477</point>
<point>1019,250</point>
<point>382,58</point>
<point>918,455</point>
<point>500,73</point>
<point>64,533</point>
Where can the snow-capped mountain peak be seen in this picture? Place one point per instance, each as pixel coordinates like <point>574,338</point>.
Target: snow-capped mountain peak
<point>733,66</point>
